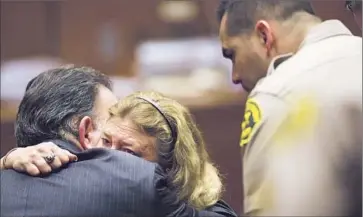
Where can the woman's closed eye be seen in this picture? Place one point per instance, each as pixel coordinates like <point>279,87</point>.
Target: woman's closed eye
<point>130,152</point>
<point>107,143</point>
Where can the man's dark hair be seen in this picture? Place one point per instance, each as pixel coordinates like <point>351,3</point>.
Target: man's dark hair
<point>242,14</point>
<point>54,103</point>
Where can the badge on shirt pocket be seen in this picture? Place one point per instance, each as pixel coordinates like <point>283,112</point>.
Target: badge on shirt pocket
<point>252,117</point>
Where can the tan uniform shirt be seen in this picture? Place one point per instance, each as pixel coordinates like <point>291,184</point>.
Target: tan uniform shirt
<point>302,131</point>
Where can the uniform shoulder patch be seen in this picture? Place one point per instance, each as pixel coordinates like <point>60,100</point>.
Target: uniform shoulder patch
<point>252,118</point>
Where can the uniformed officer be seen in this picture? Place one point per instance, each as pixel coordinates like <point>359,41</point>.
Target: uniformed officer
<point>303,120</point>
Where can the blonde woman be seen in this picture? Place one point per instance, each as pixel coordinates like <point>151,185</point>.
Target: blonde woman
<point>158,129</point>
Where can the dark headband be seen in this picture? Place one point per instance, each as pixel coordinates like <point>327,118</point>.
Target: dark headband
<point>157,107</point>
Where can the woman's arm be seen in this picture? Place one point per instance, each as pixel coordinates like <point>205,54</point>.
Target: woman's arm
<point>2,164</point>
<point>31,159</point>
<point>3,159</point>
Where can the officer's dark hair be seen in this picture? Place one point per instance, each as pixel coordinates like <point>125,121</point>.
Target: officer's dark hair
<point>242,14</point>
<point>54,103</point>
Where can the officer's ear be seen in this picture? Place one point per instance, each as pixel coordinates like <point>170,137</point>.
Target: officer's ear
<point>265,34</point>
<point>86,127</point>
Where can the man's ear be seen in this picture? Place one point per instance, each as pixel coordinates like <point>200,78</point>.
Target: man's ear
<point>265,34</point>
<point>85,130</point>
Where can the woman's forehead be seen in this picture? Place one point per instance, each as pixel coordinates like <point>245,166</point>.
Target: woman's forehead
<point>124,130</point>
<point>123,127</point>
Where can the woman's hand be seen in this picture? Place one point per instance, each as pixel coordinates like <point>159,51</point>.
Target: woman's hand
<point>32,159</point>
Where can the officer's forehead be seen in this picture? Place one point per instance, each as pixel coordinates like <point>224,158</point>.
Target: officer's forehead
<point>227,41</point>
<point>223,36</point>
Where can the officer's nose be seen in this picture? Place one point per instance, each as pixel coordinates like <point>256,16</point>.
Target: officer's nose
<point>236,81</point>
<point>235,78</point>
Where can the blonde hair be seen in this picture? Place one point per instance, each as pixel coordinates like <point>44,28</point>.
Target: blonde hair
<point>194,176</point>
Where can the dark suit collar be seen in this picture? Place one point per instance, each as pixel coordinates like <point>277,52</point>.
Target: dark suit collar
<point>67,145</point>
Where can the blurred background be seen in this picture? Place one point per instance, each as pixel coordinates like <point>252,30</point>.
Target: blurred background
<point>168,46</point>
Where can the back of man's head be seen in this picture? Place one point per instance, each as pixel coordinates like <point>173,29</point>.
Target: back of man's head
<point>243,14</point>
<point>54,103</point>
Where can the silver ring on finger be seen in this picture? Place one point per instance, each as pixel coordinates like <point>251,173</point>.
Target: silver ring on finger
<point>49,158</point>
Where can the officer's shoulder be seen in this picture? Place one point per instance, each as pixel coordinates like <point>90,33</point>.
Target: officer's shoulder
<point>266,104</point>
<point>259,109</point>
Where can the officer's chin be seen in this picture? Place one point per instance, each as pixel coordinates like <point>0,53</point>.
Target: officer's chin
<point>245,87</point>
